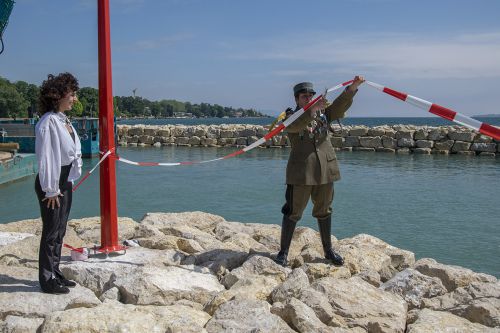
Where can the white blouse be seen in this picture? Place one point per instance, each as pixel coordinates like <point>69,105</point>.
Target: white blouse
<point>54,148</point>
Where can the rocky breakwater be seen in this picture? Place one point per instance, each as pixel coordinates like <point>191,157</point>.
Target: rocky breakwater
<point>402,139</point>
<point>196,272</point>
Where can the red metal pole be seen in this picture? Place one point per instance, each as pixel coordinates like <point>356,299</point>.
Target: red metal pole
<point>109,216</point>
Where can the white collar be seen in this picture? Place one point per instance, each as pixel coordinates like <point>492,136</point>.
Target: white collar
<point>62,117</point>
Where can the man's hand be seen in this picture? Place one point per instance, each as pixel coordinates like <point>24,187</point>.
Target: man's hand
<point>319,105</point>
<point>53,201</point>
<point>358,80</point>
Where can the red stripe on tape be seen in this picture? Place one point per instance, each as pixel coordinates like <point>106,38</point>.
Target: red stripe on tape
<point>186,163</point>
<point>395,93</point>
<point>236,153</point>
<point>81,181</point>
<point>442,112</point>
<point>312,102</point>
<point>275,131</point>
<point>346,83</point>
<point>490,131</point>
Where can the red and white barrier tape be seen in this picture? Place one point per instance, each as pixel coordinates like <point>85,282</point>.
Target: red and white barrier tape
<point>441,111</point>
<point>95,166</point>
<point>436,109</point>
<point>257,143</point>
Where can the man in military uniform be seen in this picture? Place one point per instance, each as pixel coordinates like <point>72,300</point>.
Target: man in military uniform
<point>312,166</point>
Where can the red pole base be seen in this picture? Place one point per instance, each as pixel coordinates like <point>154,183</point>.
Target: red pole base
<point>112,248</point>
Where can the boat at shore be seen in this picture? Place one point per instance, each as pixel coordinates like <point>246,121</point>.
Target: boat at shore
<point>14,165</point>
<point>22,131</point>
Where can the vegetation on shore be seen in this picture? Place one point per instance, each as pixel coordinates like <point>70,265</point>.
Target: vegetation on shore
<point>20,99</point>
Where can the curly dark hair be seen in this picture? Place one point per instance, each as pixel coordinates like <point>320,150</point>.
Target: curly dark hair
<point>54,89</point>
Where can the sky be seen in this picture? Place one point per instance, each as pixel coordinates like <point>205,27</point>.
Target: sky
<point>250,54</point>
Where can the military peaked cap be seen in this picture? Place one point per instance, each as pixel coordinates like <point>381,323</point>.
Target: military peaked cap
<point>303,87</point>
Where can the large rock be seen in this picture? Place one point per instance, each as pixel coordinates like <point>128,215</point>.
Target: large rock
<point>359,303</point>
<point>462,136</point>
<point>24,252</point>
<point>30,226</point>
<point>246,316</point>
<point>351,141</point>
<point>358,131</point>
<point>199,220</point>
<point>89,228</point>
<point>371,142</point>
<point>165,286</point>
<point>300,317</point>
<point>15,324</point>
<point>436,134</point>
<point>484,147</point>
<point>484,311</point>
<point>239,236</point>
<point>451,276</point>
<point>252,288</point>
<point>478,302</point>
<point>145,276</point>
<point>424,143</point>
<point>365,252</point>
<point>460,146</point>
<point>257,265</point>
<point>197,226</point>
<point>291,287</point>
<point>322,308</point>
<point>116,317</point>
<point>389,142</point>
<point>444,145</point>
<point>413,286</point>
<point>20,295</point>
<point>320,270</point>
<point>98,273</point>
<point>429,321</point>
<point>406,143</point>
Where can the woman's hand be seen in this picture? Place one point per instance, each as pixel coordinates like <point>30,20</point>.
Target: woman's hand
<point>358,80</point>
<point>53,201</point>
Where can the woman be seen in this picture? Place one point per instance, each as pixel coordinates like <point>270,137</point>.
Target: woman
<point>58,153</point>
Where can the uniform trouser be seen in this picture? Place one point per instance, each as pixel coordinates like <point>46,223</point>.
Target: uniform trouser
<point>54,228</point>
<point>297,197</point>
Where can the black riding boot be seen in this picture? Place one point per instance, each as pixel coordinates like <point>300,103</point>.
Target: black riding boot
<point>325,227</point>
<point>287,229</point>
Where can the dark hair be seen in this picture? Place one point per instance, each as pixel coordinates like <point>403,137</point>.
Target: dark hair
<point>54,89</point>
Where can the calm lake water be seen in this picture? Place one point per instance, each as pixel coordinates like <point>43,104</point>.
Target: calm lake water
<point>444,207</point>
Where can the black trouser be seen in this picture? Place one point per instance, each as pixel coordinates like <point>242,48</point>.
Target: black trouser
<point>54,228</point>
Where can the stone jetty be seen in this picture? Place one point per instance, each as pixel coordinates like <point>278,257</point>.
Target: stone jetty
<point>197,272</point>
<point>401,139</point>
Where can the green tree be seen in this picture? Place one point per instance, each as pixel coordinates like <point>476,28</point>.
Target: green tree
<point>12,103</point>
<point>77,110</point>
<point>30,93</point>
<point>89,97</point>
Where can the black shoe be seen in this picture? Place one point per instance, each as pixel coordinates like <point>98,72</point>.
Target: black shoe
<point>334,257</point>
<point>281,259</point>
<point>67,283</point>
<point>53,287</point>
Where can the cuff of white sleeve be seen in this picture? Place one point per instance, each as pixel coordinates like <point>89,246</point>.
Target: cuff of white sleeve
<point>52,194</point>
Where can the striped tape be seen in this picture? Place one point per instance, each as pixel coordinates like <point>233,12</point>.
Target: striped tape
<point>257,143</point>
<point>441,111</point>
<point>95,167</point>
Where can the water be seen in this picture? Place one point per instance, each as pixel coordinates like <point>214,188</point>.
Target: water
<point>368,121</point>
<point>444,207</point>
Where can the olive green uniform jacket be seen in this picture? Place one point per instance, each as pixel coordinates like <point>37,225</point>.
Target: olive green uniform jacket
<point>312,160</point>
